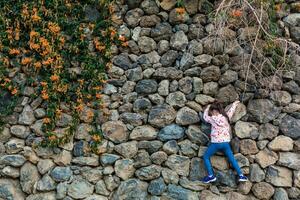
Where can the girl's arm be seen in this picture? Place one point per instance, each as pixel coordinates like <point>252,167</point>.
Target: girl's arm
<point>231,110</point>
<point>206,117</point>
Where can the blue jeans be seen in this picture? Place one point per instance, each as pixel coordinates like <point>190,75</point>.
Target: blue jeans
<point>225,147</point>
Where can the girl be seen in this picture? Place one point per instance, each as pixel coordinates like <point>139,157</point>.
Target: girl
<point>220,138</point>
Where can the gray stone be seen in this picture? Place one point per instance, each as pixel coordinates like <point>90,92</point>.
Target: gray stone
<point>210,88</point>
<point>64,120</point>
<point>292,19</point>
<point>213,45</point>
<point>211,73</point>
<point>142,159</point>
<point>171,132</point>
<point>195,134</point>
<point>203,59</point>
<point>19,131</point>
<point>227,94</point>
<point>161,115</point>
<point>168,58</point>
<point>262,110</point>
<point>227,178</point>
<point>37,127</point>
<point>116,131</point>
<point>187,116</point>
<point>148,173</point>
<point>246,130</point>
<point>29,177</point>
<point>197,169</point>
<point>146,86</point>
<point>170,176</point>
<point>157,187</point>
<point>132,17</point>
<point>171,147</point>
<point>290,127</point>
<point>281,98</point>
<point>178,163</point>
<point>12,160</point>
<point>146,44</point>
<point>14,145</point>
<point>145,132</point>
<point>80,189</point>
<point>61,174</point>
<point>192,185</point>
<point>10,190</point>
<point>128,149</point>
<point>122,61</point>
<point>131,189</point>
<point>290,160</point>
<point>248,146</point>
<point>167,73</point>
<point>11,172</point>
<point>162,31</point>
<point>100,188</point>
<point>268,131</point>
<point>175,18</point>
<point>163,88</point>
<point>134,74</point>
<point>150,7</point>
<point>42,196</point>
<point>266,158</point>
<point>279,176</point>
<point>176,99</point>
<point>187,148</point>
<point>96,197</point>
<point>263,190</point>
<point>124,168</point>
<point>83,131</point>
<point>186,61</point>
<point>196,31</point>
<point>280,194</point>
<point>186,85</point>
<point>150,146</point>
<point>195,47</point>
<point>134,119</point>
<point>46,184</point>
<point>228,77</point>
<point>256,173</point>
<point>179,41</point>
<point>163,46</point>
<point>5,135</point>
<point>86,161</point>
<point>168,4</point>
<point>204,99</point>
<point>281,143</point>
<point>111,182</point>
<point>159,157</point>
<point>27,116</point>
<point>178,192</point>
<point>45,165</point>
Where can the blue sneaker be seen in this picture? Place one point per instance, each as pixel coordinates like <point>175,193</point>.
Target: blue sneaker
<point>242,178</point>
<point>209,179</point>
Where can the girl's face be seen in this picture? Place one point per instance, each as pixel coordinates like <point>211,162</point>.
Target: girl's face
<point>215,112</point>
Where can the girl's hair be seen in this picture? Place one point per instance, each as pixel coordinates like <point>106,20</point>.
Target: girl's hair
<point>218,106</point>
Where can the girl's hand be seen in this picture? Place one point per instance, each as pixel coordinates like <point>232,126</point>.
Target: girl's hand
<point>236,102</point>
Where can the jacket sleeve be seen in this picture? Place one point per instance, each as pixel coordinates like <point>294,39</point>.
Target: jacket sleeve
<point>206,117</point>
<point>232,109</point>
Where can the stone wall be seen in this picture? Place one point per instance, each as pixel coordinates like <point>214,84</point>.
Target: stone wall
<point>160,80</point>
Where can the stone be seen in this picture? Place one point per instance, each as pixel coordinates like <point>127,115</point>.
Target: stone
<point>168,4</point>
<point>145,132</point>
<point>187,116</point>
<point>124,168</point>
<point>14,145</point>
<point>178,163</point>
<point>10,190</point>
<point>83,131</point>
<point>37,127</point>
<point>5,135</point>
<point>208,195</point>
<point>134,74</point>
<point>162,31</point>
<point>12,160</point>
<point>171,147</point>
<point>131,189</point>
<point>186,85</point>
<point>292,19</point>
<point>239,113</point>
<point>266,158</point>
<point>178,192</point>
<point>204,99</point>
<point>211,73</point>
<point>92,174</point>
<point>142,159</point>
<point>146,44</point>
<point>46,184</point>
<point>246,130</point>
<point>195,134</point>
<point>122,61</point>
<point>157,186</point>
<point>196,31</point>
<point>263,190</point>
<point>132,118</point>
<point>108,159</point>
<point>159,157</point>
<point>80,189</point>
<point>227,94</point>
<point>150,146</point>
<point>111,182</point>
<point>281,98</point>
<point>116,131</point>
<point>11,172</point>
<point>186,61</point>
<point>262,110</point>
<point>187,148</point>
<point>142,105</point>
<point>167,73</point>
<point>150,7</point>
<point>268,131</point>
<point>226,178</point>
<point>170,176</point>
<point>29,177</point>
<point>148,173</point>
<point>279,176</point>
<point>161,115</point>
<point>281,143</point>
<point>293,192</point>
<point>171,132</point>
<point>228,77</point>
<point>290,127</point>
<point>280,194</point>
<point>42,196</point>
<point>19,131</point>
<point>175,18</point>
<point>40,113</point>
<point>86,161</point>
<point>176,99</point>
<point>60,174</point>
<point>245,188</point>
<point>163,88</point>
<point>179,41</point>
<point>210,88</point>
<point>213,45</point>
<point>248,146</point>
<point>63,158</point>
<point>27,116</point>
<point>96,197</point>
<point>256,173</point>
<point>132,17</point>
<point>100,188</point>
<point>146,86</point>
<point>163,46</point>
<point>290,160</point>
<point>64,120</point>
<point>45,165</point>
<point>203,59</point>
<point>128,149</point>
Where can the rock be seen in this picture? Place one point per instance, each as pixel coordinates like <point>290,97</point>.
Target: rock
<point>245,188</point>
<point>63,158</point>
<point>290,127</point>
<point>64,120</point>
<point>292,19</point>
<point>191,185</point>
<point>281,98</point>
<point>175,18</point>
<point>177,192</point>
<point>170,176</point>
<point>132,17</point>
<point>86,161</point>
<point>262,110</point>
<point>46,184</point>
<point>256,173</point>
<point>171,132</point>
<point>27,116</point>
<point>124,168</point>
<point>100,188</point>
<point>40,113</point>
<point>150,7</point>
<point>279,176</point>
<point>213,45</point>
<point>204,99</point>
<point>128,149</point>
<point>280,194</point>
<point>132,118</point>
<point>281,143</point>
<point>208,195</point>
<point>159,157</point>
<point>12,160</point>
<point>14,145</point>
<point>145,132</point>
<point>266,158</point>
<point>161,115</point>
<point>228,77</point>
<point>157,187</point>
<point>167,73</point>
<point>45,165</point>
<point>148,173</point>
<point>263,190</point>
<point>268,131</point>
<point>42,196</point>
<point>186,61</point>
<point>290,160</point>
<point>142,159</point>
<point>187,116</point>
<point>210,88</point>
<point>227,178</point>
<point>248,146</point>
<point>116,131</point>
<point>37,127</point>
<point>293,192</point>
<point>197,169</point>
<point>168,4</point>
<point>134,74</point>
<point>195,134</point>
<point>227,94</point>
<point>5,135</point>
<point>163,88</point>
<point>96,197</point>
<point>10,190</point>
<point>240,112</point>
<point>211,73</point>
<point>146,86</point>
<point>80,189</point>
<point>196,31</point>
<point>11,172</point>
<point>188,148</point>
<point>111,182</point>
<point>142,105</point>
<point>108,159</point>
<point>150,146</point>
<point>146,44</point>
<point>29,176</point>
<point>246,130</point>
<point>19,131</point>
<point>203,59</point>
<point>179,41</point>
<point>162,47</point>
<point>186,85</point>
<point>83,131</point>
<point>171,147</point>
<point>122,61</point>
<point>131,189</point>
<point>61,174</point>
<point>178,163</point>
<point>176,99</point>
<point>92,174</point>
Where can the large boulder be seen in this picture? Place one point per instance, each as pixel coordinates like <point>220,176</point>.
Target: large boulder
<point>161,115</point>
<point>131,189</point>
<point>10,190</point>
<point>262,110</point>
<point>279,176</point>
<point>80,189</point>
<point>290,160</point>
<point>263,190</point>
<point>171,132</point>
<point>178,163</point>
<point>29,177</point>
<point>187,116</point>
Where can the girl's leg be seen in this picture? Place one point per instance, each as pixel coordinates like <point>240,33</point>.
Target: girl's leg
<point>232,160</point>
<point>211,150</point>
